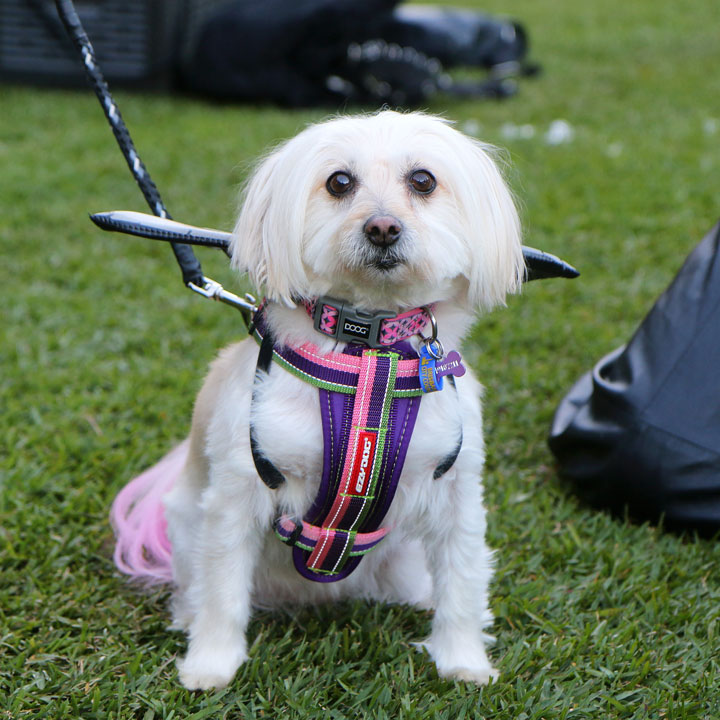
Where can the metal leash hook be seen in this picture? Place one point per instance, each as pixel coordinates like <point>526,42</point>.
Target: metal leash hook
<point>213,290</point>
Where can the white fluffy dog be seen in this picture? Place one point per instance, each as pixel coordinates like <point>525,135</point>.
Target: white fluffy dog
<point>389,211</point>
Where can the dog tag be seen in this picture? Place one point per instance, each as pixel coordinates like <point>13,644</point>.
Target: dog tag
<point>432,369</point>
<point>450,365</point>
<point>429,381</point>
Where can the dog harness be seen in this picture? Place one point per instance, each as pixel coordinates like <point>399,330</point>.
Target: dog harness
<point>369,400</point>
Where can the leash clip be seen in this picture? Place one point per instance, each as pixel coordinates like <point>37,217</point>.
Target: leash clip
<point>215,291</point>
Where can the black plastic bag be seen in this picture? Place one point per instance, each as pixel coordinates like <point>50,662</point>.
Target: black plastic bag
<point>642,430</point>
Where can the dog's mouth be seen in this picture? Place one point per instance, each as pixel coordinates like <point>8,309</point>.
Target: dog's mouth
<point>370,263</point>
<point>385,260</point>
<point>386,264</point>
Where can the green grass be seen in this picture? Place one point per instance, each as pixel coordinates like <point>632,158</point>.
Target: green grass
<point>102,352</point>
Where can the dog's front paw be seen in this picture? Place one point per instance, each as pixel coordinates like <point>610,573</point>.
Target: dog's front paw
<point>209,668</point>
<point>460,659</point>
<point>479,676</point>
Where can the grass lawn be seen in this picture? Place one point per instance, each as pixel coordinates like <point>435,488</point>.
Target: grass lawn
<point>102,352</point>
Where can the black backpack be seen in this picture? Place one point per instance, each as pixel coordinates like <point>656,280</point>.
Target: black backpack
<point>328,52</point>
<point>642,430</point>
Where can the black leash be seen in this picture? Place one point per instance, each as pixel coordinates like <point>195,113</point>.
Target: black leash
<point>538,264</point>
<point>189,264</point>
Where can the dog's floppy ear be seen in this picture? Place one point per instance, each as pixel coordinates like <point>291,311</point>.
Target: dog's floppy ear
<point>267,239</point>
<point>494,236</point>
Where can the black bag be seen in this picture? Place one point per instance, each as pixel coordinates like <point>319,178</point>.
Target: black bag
<point>326,52</point>
<point>642,430</point>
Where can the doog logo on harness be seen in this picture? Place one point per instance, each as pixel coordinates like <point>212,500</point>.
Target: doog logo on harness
<point>362,463</point>
<point>356,329</point>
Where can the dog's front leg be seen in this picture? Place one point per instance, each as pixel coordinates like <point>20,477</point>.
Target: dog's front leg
<point>461,568</point>
<point>229,543</point>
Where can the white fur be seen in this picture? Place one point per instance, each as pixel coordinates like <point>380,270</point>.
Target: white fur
<point>461,249</point>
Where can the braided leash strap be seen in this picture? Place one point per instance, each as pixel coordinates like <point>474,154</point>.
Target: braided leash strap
<point>189,264</point>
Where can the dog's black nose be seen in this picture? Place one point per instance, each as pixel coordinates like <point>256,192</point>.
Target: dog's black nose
<point>383,230</point>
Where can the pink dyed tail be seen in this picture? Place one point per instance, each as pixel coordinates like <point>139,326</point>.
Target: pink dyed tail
<point>142,549</point>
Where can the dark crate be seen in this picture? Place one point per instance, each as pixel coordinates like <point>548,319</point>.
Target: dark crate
<point>137,42</point>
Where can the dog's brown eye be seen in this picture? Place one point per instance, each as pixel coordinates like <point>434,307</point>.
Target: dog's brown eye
<point>340,183</point>
<point>422,182</point>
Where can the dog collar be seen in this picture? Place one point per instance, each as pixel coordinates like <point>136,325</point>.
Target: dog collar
<point>374,328</point>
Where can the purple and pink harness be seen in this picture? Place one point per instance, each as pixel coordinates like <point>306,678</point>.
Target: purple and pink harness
<point>369,400</point>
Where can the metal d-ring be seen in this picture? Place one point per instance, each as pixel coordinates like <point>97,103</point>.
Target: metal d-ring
<point>432,344</point>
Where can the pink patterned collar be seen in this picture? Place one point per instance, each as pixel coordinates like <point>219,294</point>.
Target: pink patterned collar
<point>375,328</point>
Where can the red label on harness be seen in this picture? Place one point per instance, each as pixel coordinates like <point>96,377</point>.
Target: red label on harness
<point>362,466</point>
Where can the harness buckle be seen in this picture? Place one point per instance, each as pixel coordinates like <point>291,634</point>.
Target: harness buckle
<point>347,323</point>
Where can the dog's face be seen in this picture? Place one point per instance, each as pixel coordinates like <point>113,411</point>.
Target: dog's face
<point>389,210</point>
